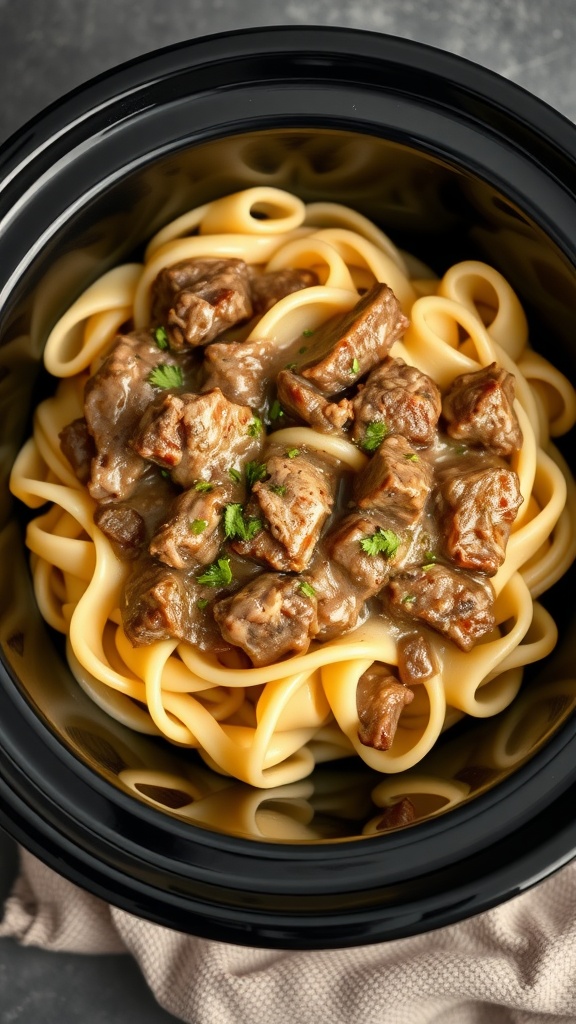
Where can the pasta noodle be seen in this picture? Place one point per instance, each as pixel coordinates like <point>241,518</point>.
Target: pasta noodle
<point>268,726</point>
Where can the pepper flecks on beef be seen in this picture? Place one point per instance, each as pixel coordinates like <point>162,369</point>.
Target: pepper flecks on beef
<point>403,398</point>
<point>478,507</point>
<point>195,300</point>
<point>77,445</point>
<point>449,601</point>
<point>479,410</point>
<point>268,287</point>
<point>269,618</point>
<point>305,402</point>
<point>380,701</point>
<point>396,481</point>
<point>192,533</point>
<point>293,503</point>
<point>115,398</point>
<point>347,346</point>
<point>198,437</point>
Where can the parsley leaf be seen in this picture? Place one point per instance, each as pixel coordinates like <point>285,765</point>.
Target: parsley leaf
<point>307,333</point>
<point>430,558</point>
<point>374,435</point>
<point>255,471</point>
<point>165,376</point>
<point>412,457</point>
<point>278,489</point>
<point>307,589</point>
<point>276,410</point>
<point>202,604</point>
<point>293,452</point>
<point>383,542</point>
<point>255,427</point>
<point>290,366</point>
<point>408,598</point>
<point>161,338</point>
<point>237,526</point>
<point>355,367</point>
<point>235,475</point>
<point>219,574</point>
<point>302,350</point>
<point>198,526</point>
<point>203,486</point>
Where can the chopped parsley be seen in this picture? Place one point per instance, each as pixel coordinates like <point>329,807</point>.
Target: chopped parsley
<point>383,542</point>
<point>408,598</point>
<point>219,574</point>
<point>255,471</point>
<point>374,435</point>
<point>235,475</point>
<point>307,333</point>
<point>278,489</point>
<point>302,350</point>
<point>290,366</point>
<point>237,526</point>
<point>412,457</point>
<point>293,452</point>
<point>164,473</point>
<point>165,376</point>
<point>255,427</point>
<point>461,449</point>
<point>161,338</point>
<point>203,486</point>
<point>198,526</point>
<point>430,558</point>
<point>276,410</point>
<point>307,589</point>
<point>202,604</point>
<point>355,367</point>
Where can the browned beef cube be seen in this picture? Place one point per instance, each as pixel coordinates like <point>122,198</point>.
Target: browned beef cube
<point>124,527</point>
<point>115,399</point>
<point>294,503</point>
<point>340,602</point>
<point>451,602</point>
<point>346,543</point>
<point>305,402</point>
<point>401,813</point>
<point>416,659</point>
<point>479,410</point>
<point>478,508</point>
<point>78,446</point>
<point>160,604</point>
<point>197,299</point>
<point>198,437</point>
<point>396,481</point>
<point>192,532</point>
<point>349,345</point>
<point>244,371</point>
<point>268,288</point>
<point>269,618</point>
<point>407,401</point>
<point>380,700</point>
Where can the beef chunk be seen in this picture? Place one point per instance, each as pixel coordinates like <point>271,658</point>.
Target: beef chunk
<point>451,602</point>
<point>396,481</point>
<point>478,508</point>
<point>340,602</point>
<point>124,527</point>
<point>244,371</point>
<point>268,288</point>
<point>369,572</point>
<point>478,409</point>
<point>115,399</point>
<point>407,401</point>
<point>305,402</point>
<point>78,446</point>
<point>160,604</point>
<point>269,618</point>
<point>197,437</point>
<point>380,700</point>
<point>349,345</point>
<point>294,503</point>
<point>401,813</point>
<point>192,532</point>
<point>416,660</point>
<point>197,299</point>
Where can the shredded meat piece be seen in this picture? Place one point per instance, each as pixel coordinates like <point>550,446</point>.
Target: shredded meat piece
<point>269,618</point>
<point>451,602</point>
<point>479,410</point>
<point>197,437</point>
<point>159,604</point>
<point>243,371</point>
<point>78,447</point>
<point>477,510</point>
<point>305,402</point>
<point>407,401</point>
<point>192,532</point>
<point>268,288</point>
<point>348,346</point>
<point>401,813</point>
<point>396,481</point>
<point>124,527</point>
<point>380,700</point>
<point>416,660</point>
<point>197,299</point>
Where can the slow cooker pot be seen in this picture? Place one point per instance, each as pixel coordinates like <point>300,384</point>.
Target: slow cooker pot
<point>454,163</point>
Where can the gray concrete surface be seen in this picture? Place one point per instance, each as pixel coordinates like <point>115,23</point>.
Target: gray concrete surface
<point>49,46</point>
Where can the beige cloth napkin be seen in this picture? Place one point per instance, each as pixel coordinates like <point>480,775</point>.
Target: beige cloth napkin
<point>512,965</point>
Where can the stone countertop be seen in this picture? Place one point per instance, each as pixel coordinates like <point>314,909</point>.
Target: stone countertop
<point>50,46</point>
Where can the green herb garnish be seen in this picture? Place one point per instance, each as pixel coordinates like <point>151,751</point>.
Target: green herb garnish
<point>198,526</point>
<point>164,473</point>
<point>307,333</point>
<point>235,475</point>
<point>290,366</point>
<point>202,604</point>
<point>276,410</point>
<point>302,350</point>
<point>374,435</point>
<point>165,376</point>
<point>237,526</point>
<point>255,427</point>
<point>307,589</point>
<point>293,452</point>
<point>203,486</point>
<point>278,489</point>
<point>161,338</point>
<point>219,574</point>
<point>412,457</point>
<point>430,558</point>
<point>255,471</point>
<point>408,598</point>
<point>461,449</point>
<point>355,367</point>
<point>383,542</point>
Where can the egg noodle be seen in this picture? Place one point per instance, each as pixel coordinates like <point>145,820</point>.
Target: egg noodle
<point>269,726</point>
